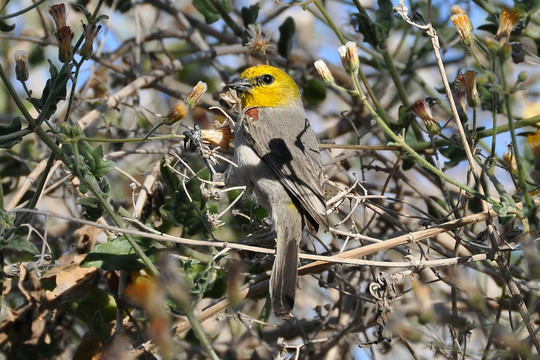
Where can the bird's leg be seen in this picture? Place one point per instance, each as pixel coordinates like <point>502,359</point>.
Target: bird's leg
<point>194,138</point>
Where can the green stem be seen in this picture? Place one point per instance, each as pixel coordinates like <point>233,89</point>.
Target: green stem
<point>33,202</point>
<point>20,12</point>
<point>529,206</point>
<point>15,135</point>
<point>13,94</point>
<point>330,21</point>
<point>73,88</point>
<point>89,180</point>
<point>132,140</point>
<point>474,135</point>
<point>410,151</point>
<point>493,111</point>
<point>395,76</point>
<point>228,20</point>
<point>199,332</point>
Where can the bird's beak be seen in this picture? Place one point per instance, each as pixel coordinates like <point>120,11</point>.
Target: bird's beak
<point>241,85</point>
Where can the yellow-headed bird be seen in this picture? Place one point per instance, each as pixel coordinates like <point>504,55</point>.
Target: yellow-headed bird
<point>279,161</point>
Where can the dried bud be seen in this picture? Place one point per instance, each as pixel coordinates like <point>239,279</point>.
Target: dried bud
<point>58,13</point>
<point>259,42</point>
<point>422,109</point>
<point>510,160</point>
<point>467,82</point>
<point>177,113</point>
<point>218,137</point>
<point>508,21</point>
<point>21,65</point>
<point>460,99</point>
<point>463,25</point>
<point>349,57</point>
<point>195,94</point>
<point>324,72</point>
<point>90,32</point>
<point>518,53</point>
<point>64,36</point>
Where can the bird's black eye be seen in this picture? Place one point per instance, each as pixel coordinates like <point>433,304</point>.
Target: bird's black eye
<point>266,79</point>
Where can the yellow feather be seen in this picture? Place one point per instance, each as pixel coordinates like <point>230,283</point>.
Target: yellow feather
<point>282,92</point>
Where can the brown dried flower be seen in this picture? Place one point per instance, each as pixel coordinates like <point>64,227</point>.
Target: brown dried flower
<point>422,109</point>
<point>58,13</point>
<point>467,82</point>
<point>218,137</point>
<point>21,65</point>
<point>90,32</point>
<point>64,36</point>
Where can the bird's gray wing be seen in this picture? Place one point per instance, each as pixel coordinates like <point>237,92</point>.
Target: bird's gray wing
<point>290,147</point>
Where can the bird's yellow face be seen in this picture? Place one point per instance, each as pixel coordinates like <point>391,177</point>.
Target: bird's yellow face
<point>265,86</point>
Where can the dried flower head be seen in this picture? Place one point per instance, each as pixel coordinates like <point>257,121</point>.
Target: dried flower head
<point>456,9</point>
<point>467,82</point>
<point>231,99</point>
<point>259,42</point>
<point>508,21</point>
<point>64,36</point>
<point>177,113</point>
<point>510,160</point>
<point>534,143</point>
<point>195,94</point>
<point>463,25</point>
<point>460,99</point>
<point>90,32</point>
<point>349,56</point>
<point>21,65</point>
<point>324,72</point>
<point>58,13</point>
<point>218,137</point>
<point>422,109</point>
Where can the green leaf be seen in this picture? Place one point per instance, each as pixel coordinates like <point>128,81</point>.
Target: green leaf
<point>455,155</point>
<point>12,127</point>
<point>314,91</point>
<point>86,13</point>
<point>117,255</point>
<point>385,19</point>
<point>209,11</point>
<point>97,300</point>
<point>92,207</point>
<point>18,243</point>
<point>54,91</point>
<point>93,157</point>
<point>250,14</point>
<point>286,34</point>
<point>102,167</point>
<point>507,209</point>
<point>184,212</point>
<point>5,27</point>
<point>486,98</point>
<point>168,176</point>
<point>366,27</point>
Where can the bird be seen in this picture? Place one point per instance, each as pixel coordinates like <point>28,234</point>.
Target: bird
<point>277,158</point>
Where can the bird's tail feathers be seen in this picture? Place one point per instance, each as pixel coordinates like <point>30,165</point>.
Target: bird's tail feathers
<point>284,272</point>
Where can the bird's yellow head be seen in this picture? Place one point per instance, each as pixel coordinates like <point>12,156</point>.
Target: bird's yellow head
<point>265,86</point>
